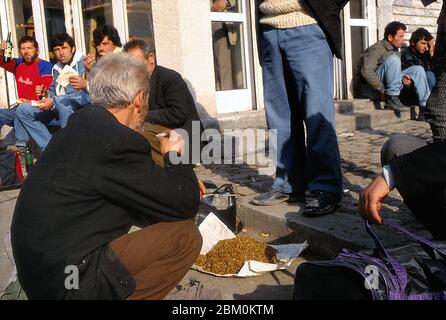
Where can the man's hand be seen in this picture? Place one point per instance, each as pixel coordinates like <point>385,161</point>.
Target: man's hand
<point>371,199</point>
<point>89,61</point>
<point>171,142</point>
<point>78,83</point>
<point>202,189</point>
<point>47,104</point>
<point>431,46</point>
<point>41,91</point>
<point>407,81</point>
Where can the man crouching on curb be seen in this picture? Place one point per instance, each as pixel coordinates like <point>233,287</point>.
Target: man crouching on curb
<point>94,181</point>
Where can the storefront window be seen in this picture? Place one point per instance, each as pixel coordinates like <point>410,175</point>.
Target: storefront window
<point>95,13</point>
<point>23,18</point>
<point>55,21</point>
<point>139,20</point>
<point>227,38</point>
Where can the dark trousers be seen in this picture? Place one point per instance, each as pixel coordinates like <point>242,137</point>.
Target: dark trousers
<point>425,205</point>
<point>158,256</point>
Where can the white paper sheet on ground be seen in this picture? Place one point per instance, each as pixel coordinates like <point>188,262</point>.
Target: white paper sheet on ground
<point>213,230</point>
<point>65,74</point>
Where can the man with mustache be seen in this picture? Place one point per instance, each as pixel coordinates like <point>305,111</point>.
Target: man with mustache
<point>30,72</point>
<point>61,100</point>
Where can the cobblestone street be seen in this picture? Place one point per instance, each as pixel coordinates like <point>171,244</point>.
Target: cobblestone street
<point>360,153</point>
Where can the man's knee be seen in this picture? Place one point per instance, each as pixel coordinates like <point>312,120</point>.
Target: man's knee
<point>399,145</point>
<point>25,110</point>
<point>392,60</point>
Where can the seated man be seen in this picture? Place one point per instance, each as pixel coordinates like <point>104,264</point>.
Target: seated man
<point>419,176</point>
<point>171,103</point>
<point>382,73</point>
<point>62,98</point>
<point>420,53</point>
<point>93,182</point>
<point>30,73</point>
<point>106,40</point>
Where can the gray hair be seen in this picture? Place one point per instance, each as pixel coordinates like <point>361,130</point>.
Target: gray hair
<point>116,79</point>
<point>146,48</point>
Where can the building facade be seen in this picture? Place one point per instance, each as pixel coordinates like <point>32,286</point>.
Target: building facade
<point>214,50</point>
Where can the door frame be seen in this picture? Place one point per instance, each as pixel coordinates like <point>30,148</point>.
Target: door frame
<point>370,23</point>
<point>241,99</point>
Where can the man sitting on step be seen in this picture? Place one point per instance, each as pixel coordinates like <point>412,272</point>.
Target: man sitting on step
<point>382,73</point>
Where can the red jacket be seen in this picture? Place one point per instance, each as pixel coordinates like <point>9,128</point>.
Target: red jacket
<point>28,76</point>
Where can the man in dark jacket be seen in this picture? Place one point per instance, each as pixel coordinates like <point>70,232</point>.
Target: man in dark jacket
<point>298,40</point>
<point>93,182</point>
<point>420,53</point>
<point>171,104</point>
<point>418,171</point>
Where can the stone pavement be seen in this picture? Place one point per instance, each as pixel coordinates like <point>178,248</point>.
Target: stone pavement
<point>360,162</point>
<point>360,151</point>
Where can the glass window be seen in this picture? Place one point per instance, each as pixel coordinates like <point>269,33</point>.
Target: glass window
<point>359,39</point>
<point>229,57</point>
<point>139,20</point>
<point>358,9</point>
<point>95,13</point>
<point>23,18</point>
<point>55,21</point>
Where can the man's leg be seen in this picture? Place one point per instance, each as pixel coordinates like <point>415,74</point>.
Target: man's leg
<point>223,59</point>
<point>420,83</point>
<point>390,74</point>
<point>431,79</point>
<point>35,121</point>
<point>399,145</point>
<point>65,108</point>
<point>310,59</point>
<point>159,256</point>
<point>290,149</point>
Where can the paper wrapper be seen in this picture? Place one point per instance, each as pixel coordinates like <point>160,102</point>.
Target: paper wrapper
<point>64,76</point>
<point>213,230</point>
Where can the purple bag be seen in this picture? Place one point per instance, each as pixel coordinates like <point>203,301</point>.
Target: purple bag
<point>420,274</point>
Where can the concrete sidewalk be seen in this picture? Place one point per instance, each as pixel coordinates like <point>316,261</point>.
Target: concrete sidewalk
<point>284,223</point>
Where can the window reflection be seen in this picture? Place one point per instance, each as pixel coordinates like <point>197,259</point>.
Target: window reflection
<point>139,18</point>
<point>55,21</point>
<point>95,13</point>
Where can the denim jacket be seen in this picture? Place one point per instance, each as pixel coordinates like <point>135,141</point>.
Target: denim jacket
<point>80,98</point>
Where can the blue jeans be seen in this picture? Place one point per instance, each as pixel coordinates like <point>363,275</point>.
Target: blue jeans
<point>8,117</point>
<point>298,88</point>
<point>391,75</point>
<point>35,122</point>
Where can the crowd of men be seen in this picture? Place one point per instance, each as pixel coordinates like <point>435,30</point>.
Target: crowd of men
<point>109,169</point>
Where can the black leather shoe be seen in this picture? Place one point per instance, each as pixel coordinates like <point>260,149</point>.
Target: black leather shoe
<point>394,103</point>
<point>321,203</point>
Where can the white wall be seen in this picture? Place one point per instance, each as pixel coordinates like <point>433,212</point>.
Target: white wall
<point>183,42</point>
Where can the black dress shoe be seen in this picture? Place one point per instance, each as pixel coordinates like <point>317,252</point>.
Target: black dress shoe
<point>321,203</point>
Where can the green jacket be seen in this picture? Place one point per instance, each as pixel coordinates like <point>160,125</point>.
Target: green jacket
<point>372,58</point>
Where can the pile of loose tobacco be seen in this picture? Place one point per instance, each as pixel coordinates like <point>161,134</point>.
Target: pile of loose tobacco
<point>228,256</point>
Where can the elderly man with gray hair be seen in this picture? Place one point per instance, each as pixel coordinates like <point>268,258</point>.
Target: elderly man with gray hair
<point>95,181</point>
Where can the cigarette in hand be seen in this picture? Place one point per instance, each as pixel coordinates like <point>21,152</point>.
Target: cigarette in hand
<point>162,134</point>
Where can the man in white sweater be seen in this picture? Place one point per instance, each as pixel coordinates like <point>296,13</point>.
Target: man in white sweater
<point>298,40</point>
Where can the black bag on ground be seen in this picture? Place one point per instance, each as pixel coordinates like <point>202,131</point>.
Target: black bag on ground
<point>8,174</point>
<point>413,272</point>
